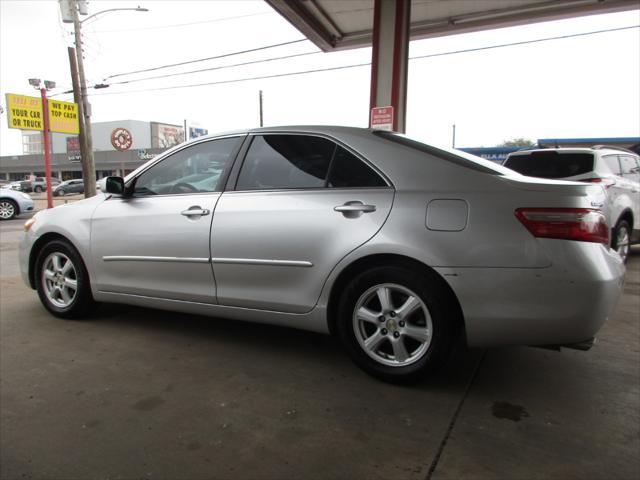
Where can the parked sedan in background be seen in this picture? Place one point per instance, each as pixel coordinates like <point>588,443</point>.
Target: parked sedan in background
<point>70,186</point>
<point>19,185</point>
<point>14,203</point>
<point>394,246</point>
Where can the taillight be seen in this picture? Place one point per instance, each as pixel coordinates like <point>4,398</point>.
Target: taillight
<point>581,224</point>
<point>605,182</point>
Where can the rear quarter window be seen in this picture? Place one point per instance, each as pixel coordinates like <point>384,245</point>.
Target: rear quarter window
<point>629,165</point>
<point>612,163</point>
<point>551,164</point>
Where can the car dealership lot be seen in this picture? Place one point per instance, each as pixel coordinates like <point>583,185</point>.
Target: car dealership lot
<point>137,393</point>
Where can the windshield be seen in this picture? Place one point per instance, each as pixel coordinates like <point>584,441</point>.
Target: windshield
<point>450,154</point>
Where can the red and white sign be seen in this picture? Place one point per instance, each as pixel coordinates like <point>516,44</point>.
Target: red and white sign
<point>121,139</point>
<point>382,118</point>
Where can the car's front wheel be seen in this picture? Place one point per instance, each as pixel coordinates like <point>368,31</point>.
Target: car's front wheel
<point>62,280</point>
<point>38,189</point>
<point>396,324</point>
<point>8,209</point>
<point>60,192</point>
<point>621,239</point>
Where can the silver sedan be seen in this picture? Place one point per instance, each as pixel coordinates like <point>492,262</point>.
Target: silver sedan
<point>396,247</point>
<point>14,203</point>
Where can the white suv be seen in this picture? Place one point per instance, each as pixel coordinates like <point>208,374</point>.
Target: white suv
<point>617,169</point>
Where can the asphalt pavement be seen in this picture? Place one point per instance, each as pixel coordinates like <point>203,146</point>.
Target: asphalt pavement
<point>133,393</point>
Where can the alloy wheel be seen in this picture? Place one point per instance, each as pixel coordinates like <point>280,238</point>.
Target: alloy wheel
<point>392,325</point>
<point>59,279</point>
<point>622,241</point>
<point>7,210</point>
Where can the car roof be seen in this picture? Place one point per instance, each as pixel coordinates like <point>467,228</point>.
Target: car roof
<point>326,129</point>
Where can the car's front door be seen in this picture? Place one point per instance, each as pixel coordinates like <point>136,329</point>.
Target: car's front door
<point>300,204</point>
<point>155,241</point>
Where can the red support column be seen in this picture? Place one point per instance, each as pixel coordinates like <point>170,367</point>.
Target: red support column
<point>389,58</point>
<point>47,152</point>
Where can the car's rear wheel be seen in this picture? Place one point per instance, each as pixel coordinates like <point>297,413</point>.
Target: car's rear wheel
<point>396,324</point>
<point>622,239</point>
<point>38,189</point>
<point>62,280</point>
<point>8,209</point>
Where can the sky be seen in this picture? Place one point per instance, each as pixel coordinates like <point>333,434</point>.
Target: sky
<point>586,86</point>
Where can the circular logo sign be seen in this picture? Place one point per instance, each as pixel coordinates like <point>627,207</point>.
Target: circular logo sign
<point>121,139</point>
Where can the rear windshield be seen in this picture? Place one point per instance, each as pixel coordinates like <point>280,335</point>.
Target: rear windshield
<point>551,164</point>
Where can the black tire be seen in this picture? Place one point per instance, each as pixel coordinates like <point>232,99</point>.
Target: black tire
<point>82,302</point>
<point>8,209</point>
<point>60,192</point>
<point>443,315</point>
<point>621,239</point>
<point>38,189</point>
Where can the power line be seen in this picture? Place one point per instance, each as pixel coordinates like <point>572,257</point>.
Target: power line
<point>410,58</point>
<point>215,68</point>
<point>208,58</point>
<point>237,80</point>
<point>176,25</point>
<point>524,42</point>
<point>343,67</point>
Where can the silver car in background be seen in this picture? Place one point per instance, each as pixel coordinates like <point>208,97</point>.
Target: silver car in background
<point>616,169</point>
<point>396,247</point>
<point>14,203</point>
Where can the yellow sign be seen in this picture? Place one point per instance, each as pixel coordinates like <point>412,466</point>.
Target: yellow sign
<point>25,113</point>
<point>63,117</point>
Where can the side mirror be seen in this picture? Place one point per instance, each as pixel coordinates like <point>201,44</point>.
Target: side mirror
<point>114,186</point>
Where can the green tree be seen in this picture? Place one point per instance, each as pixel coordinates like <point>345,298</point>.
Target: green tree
<point>518,142</point>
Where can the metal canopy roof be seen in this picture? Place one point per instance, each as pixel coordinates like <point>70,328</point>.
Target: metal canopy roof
<point>338,25</point>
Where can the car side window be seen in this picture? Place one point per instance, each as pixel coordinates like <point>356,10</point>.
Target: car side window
<point>612,163</point>
<point>286,161</point>
<point>348,171</point>
<point>194,169</point>
<point>629,166</point>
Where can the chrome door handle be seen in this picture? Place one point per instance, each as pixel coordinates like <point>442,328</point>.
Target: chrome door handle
<point>355,207</point>
<point>195,211</point>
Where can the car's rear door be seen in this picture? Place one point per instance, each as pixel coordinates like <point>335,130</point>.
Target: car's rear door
<point>299,205</point>
<point>156,242</point>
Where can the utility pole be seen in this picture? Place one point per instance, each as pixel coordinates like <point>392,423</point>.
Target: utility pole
<point>260,101</point>
<point>453,140</point>
<point>76,98</point>
<point>47,145</point>
<point>88,164</point>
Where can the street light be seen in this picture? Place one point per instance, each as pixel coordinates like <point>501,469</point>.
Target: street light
<point>137,9</point>
<point>48,85</point>
<point>70,10</point>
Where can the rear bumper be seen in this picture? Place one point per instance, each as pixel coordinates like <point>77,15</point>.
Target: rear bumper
<point>562,304</point>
